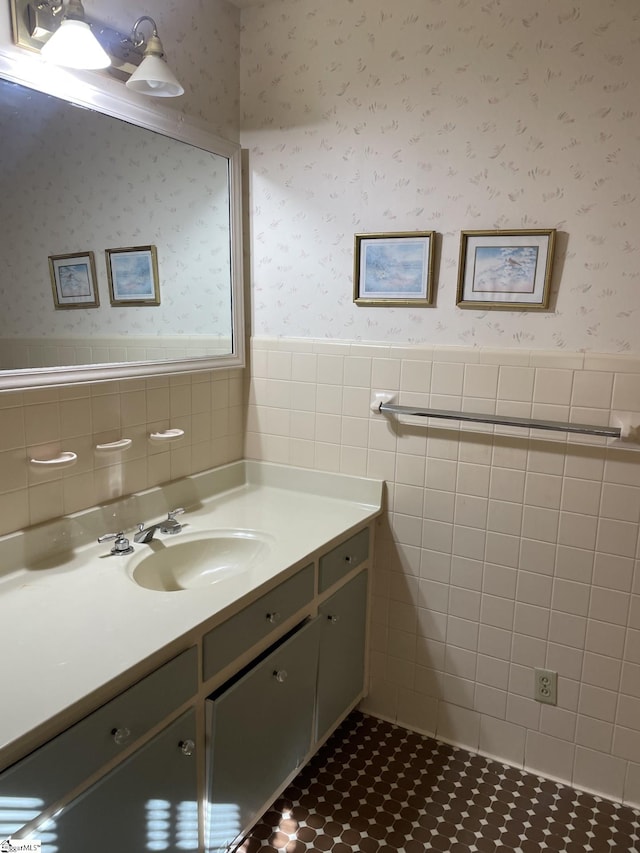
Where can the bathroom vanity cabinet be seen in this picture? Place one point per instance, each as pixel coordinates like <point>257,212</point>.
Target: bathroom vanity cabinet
<point>189,756</point>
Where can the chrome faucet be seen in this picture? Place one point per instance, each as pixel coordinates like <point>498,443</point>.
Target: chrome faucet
<point>169,525</point>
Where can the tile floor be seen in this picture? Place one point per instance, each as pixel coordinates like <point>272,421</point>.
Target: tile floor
<point>378,788</point>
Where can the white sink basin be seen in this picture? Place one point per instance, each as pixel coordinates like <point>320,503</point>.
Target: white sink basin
<point>196,560</point>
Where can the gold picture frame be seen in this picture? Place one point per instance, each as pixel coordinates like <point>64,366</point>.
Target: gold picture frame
<point>73,280</point>
<point>394,268</point>
<point>506,270</point>
<point>133,276</point>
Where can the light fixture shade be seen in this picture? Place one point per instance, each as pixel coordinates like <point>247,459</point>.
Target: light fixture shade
<point>73,45</point>
<point>154,77</point>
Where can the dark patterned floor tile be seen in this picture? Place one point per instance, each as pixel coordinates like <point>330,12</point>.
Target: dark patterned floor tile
<point>378,788</point>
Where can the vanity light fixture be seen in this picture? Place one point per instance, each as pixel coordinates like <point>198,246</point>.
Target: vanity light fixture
<point>153,76</point>
<point>73,45</point>
<point>59,30</point>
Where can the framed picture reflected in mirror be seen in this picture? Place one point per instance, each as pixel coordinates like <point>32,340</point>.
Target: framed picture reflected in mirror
<point>73,280</point>
<point>133,276</point>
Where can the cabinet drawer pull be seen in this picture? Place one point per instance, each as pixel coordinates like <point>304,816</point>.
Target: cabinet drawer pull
<point>120,736</point>
<point>187,747</point>
<point>273,617</point>
<point>333,618</point>
<point>280,675</point>
<point>348,558</point>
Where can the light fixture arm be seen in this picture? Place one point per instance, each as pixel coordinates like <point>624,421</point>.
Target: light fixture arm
<point>153,45</point>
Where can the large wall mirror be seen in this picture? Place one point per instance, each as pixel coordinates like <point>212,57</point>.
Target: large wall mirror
<point>79,190</point>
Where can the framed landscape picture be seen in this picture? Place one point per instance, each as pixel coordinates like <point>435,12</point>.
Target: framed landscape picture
<point>133,276</point>
<point>394,269</point>
<point>73,279</point>
<point>505,269</point>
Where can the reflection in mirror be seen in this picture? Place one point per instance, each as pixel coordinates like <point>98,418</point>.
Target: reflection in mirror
<point>75,181</point>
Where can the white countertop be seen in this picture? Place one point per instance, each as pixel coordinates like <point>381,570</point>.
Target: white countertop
<point>73,622</point>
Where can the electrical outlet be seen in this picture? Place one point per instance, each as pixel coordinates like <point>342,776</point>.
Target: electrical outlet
<point>545,686</point>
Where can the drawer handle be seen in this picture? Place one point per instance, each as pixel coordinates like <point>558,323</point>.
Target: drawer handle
<point>280,675</point>
<point>187,747</point>
<point>333,618</point>
<point>348,559</point>
<point>120,736</point>
<point>273,617</point>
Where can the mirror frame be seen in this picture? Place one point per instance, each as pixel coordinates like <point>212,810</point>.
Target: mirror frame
<point>83,93</point>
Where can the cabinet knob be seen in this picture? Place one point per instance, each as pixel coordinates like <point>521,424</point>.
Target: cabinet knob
<point>348,559</point>
<point>333,618</point>
<point>273,617</point>
<point>280,675</point>
<point>187,747</point>
<point>120,736</point>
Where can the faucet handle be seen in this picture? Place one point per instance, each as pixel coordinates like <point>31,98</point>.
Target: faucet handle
<point>121,544</point>
<point>170,525</point>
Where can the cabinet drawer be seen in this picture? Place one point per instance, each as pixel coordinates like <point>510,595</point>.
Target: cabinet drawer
<point>343,558</point>
<point>228,641</point>
<point>64,762</point>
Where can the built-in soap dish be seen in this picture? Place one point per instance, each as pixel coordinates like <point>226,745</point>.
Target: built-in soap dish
<point>62,460</point>
<point>111,446</point>
<point>166,435</point>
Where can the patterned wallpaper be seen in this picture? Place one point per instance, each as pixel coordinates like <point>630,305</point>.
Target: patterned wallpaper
<point>113,186</point>
<point>366,116</point>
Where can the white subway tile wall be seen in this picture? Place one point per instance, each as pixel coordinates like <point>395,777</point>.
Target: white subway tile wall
<point>500,550</point>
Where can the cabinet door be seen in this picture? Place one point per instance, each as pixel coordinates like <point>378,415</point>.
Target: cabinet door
<point>61,765</point>
<point>260,732</point>
<point>342,650</point>
<point>149,802</point>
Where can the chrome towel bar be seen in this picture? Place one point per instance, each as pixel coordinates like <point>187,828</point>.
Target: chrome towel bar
<point>501,420</point>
